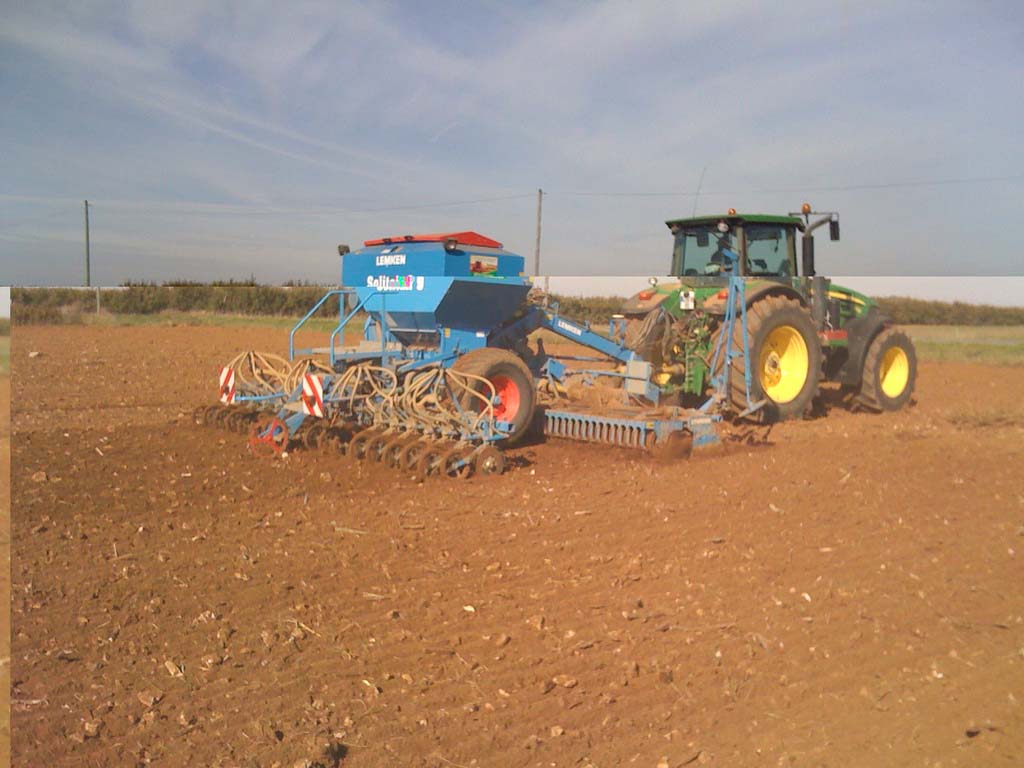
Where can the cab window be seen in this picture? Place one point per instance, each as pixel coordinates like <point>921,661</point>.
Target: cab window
<point>699,251</point>
<point>768,250</point>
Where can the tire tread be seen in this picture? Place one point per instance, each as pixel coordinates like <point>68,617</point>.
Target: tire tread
<point>869,395</point>
<point>757,316</point>
<point>479,361</point>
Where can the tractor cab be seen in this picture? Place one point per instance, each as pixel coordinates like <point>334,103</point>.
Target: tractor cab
<point>765,247</point>
<point>707,249</point>
<point>762,248</point>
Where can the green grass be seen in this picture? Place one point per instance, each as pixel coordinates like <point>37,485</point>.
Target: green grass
<point>994,345</point>
<point>967,334</point>
<point>5,355</point>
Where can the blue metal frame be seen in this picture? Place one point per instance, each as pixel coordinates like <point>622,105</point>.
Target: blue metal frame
<point>452,343</point>
<point>425,303</point>
<point>550,319</point>
<point>725,351</point>
<point>258,398</point>
<point>342,320</point>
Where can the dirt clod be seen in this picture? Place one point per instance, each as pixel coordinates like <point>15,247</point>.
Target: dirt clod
<point>92,728</point>
<point>565,681</point>
<point>149,697</point>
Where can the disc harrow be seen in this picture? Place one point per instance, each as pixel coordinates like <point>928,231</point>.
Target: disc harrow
<point>430,421</point>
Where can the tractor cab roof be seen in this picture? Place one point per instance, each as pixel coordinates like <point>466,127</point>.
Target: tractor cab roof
<point>738,218</point>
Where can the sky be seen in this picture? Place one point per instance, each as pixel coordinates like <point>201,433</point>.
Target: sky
<point>223,139</point>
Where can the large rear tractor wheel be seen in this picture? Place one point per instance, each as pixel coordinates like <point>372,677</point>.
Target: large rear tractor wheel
<point>645,335</point>
<point>513,384</point>
<point>785,358</point>
<point>890,371</point>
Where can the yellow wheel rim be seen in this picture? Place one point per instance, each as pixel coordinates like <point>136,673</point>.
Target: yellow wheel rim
<point>783,364</point>
<point>895,372</point>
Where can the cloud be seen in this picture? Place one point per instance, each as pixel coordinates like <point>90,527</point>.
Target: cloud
<point>216,125</point>
<point>148,78</point>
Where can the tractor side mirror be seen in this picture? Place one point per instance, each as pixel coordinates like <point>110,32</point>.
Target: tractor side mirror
<point>833,229</point>
<point>808,256</point>
<point>343,249</point>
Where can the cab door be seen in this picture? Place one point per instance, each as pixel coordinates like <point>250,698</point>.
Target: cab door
<point>769,251</point>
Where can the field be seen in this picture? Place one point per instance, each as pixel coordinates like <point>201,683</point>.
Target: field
<point>171,318</point>
<point>847,593</point>
<point>5,546</point>
<point>997,344</point>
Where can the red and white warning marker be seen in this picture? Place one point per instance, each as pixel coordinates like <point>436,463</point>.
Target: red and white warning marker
<point>313,395</point>
<point>227,385</point>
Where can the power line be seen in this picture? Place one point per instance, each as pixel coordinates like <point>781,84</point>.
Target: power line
<point>440,205</point>
<point>901,184</point>
<point>185,207</point>
<point>200,208</point>
<point>844,188</point>
<point>33,220</point>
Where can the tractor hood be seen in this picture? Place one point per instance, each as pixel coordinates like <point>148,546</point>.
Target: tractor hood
<point>703,288</point>
<point>856,302</point>
<point>710,294</point>
<point>643,302</point>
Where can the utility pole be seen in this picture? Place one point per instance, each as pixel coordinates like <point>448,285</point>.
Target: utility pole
<point>88,279</point>
<point>536,249</point>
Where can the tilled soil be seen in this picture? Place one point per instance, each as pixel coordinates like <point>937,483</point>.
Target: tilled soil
<point>5,571</point>
<point>847,594</point>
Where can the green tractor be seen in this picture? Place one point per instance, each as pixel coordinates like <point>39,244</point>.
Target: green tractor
<point>802,329</point>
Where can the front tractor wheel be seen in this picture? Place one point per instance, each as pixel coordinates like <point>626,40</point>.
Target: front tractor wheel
<point>512,382</point>
<point>889,373</point>
<point>785,358</point>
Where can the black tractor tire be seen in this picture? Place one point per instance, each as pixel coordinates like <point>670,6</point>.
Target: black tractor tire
<point>507,373</point>
<point>648,348</point>
<point>633,327</point>
<point>889,372</point>
<point>768,320</point>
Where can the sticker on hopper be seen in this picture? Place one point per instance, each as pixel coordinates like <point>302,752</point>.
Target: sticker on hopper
<point>395,282</point>
<point>483,265</point>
